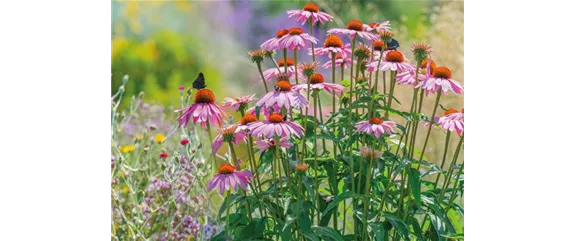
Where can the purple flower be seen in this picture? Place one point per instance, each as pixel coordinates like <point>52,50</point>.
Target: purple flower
<point>228,178</point>
<point>275,125</point>
<point>377,126</point>
<point>232,134</point>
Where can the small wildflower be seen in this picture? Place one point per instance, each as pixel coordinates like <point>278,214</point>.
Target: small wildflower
<point>301,167</point>
<point>184,142</point>
<point>127,149</point>
<point>181,88</point>
<point>159,138</point>
<point>163,155</point>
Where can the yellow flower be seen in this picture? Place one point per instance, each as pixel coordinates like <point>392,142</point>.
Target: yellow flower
<point>159,138</point>
<point>126,149</point>
<point>126,189</point>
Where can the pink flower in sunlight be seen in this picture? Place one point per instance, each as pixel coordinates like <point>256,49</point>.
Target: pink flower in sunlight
<point>434,119</point>
<point>333,44</point>
<point>272,73</point>
<point>452,121</point>
<point>392,60</point>
<point>340,59</point>
<point>203,110</point>
<point>238,103</point>
<point>296,39</point>
<point>377,27</point>
<point>227,178</point>
<point>282,96</point>
<point>377,126</point>
<point>273,43</point>
<point>440,79</point>
<point>408,77</point>
<point>270,144</point>
<point>275,125</point>
<point>310,11</point>
<point>353,28</point>
<point>318,83</point>
<point>232,134</point>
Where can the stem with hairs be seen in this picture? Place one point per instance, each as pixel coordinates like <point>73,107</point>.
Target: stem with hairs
<point>262,77</point>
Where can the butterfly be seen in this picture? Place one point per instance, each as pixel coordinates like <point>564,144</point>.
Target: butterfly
<point>393,44</point>
<point>199,82</point>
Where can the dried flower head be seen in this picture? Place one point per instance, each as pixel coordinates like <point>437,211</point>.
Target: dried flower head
<point>421,52</point>
<point>362,52</point>
<point>258,55</point>
<point>309,68</point>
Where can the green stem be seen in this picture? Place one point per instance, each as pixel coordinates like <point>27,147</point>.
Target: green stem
<point>351,73</point>
<point>443,158</point>
<point>227,231</point>
<point>375,88</point>
<point>367,195</point>
<point>334,100</point>
<point>391,92</point>
<point>312,44</point>
<point>235,160</point>
<point>321,119</point>
<point>315,166</point>
<point>439,93</point>
<point>296,69</point>
<point>285,60</point>
<point>262,77</point>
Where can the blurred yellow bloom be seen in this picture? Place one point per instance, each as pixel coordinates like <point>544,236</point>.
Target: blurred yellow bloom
<point>126,149</point>
<point>126,189</point>
<point>139,136</point>
<point>159,138</point>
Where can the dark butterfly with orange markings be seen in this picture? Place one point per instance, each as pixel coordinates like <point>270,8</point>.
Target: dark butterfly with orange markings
<point>199,82</point>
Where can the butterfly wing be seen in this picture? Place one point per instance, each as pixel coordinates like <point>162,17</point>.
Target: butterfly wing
<point>199,82</point>
<point>393,44</point>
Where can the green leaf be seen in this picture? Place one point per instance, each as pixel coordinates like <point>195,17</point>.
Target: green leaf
<point>327,232</point>
<point>416,228</point>
<point>336,201</point>
<point>399,224</point>
<point>346,83</point>
<point>439,226</point>
<point>415,182</point>
<point>311,236</point>
<point>379,230</point>
<point>286,231</point>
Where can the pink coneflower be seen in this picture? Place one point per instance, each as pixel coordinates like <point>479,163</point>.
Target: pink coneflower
<point>238,103</point>
<point>434,119</point>
<point>377,27</point>
<point>340,59</point>
<point>452,121</point>
<point>230,134</point>
<point>296,39</point>
<point>354,27</point>
<point>282,96</point>
<point>333,44</point>
<point>269,144</point>
<point>184,142</point>
<point>408,77</point>
<point>377,126</point>
<point>310,11</point>
<point>275,125</point>
<point>272,73</point>
<point>392,60</point>
<point>203,110</point>
<point>273,43</point>
<point>228,178</point>
<point>318,83</point>
<point>441,78</point>
<point>370,153</point>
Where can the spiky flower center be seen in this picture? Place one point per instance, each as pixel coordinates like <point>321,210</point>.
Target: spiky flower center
<point>295,31</point>
<point>355,25</point>
<point>442,72</point>
<point>450,111</point>
<point>276,118</point>
<point>317,79</point>
<point>362,52</point>
<point>311,7</point>
<point>333,41</point>
<point>432,65</point>
<point>374,25</point>
<point>248,118</point>
<point>257,55</point>
<point>228,133</point>
<point>378,45</point>
<point>394,56</point>
<point>386,35</point>
<point>290,62</point>
<point>281,33</point>
<point>283,85</point>
<point>204,96</point>
<point>226,169</point>
<point>301,167</point>
<point>375,121</point>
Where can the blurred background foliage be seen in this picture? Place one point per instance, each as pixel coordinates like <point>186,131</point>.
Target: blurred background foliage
<point>162,45</point>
